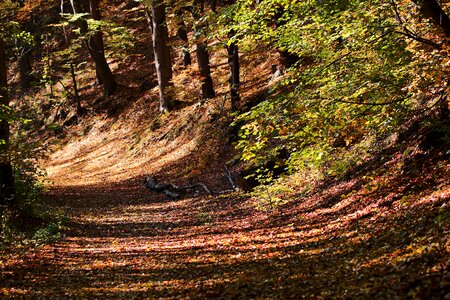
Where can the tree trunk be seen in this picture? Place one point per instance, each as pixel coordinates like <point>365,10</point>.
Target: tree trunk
<point>109,84</point>
<point>233,62</point>
<point>182,35</point>
<point>48,69</point>
<point>75,89</point>
<point>98,37</point>
<point>96,52</point>
<point>25,69</point>
<point>161,50</point>
<point>207,87</point>
<point>432,9</point>
<point>7,187</point>
<point>149,17</point>
<point>75,6</point>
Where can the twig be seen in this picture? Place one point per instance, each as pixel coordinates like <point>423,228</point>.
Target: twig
<point>371,103</point>
<point>408,32</point>
<point>228,174</point>
<point>165,189</point>
<point>193,186</point>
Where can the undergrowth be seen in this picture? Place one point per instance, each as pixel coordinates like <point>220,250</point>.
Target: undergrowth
<point>27,219</point>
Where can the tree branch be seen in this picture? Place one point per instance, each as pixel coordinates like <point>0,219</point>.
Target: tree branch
<point>409,33</point>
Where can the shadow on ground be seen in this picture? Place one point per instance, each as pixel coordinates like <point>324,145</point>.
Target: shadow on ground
<point>128,242</point>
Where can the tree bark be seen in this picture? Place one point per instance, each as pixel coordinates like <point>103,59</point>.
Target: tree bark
<point>75,90</point>
<point>207,87</point>
<point>96,52</point>
<point>182,35</point>
<point>7,186</point>
<point>432,9</point>
<point>234,80</point>
<point>163,61</point>
<point>97,37</point>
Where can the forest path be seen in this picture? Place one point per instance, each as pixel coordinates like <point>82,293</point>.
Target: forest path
<point>127,242</point>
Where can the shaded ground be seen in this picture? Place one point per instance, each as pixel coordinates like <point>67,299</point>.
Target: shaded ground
<point>342,241</point>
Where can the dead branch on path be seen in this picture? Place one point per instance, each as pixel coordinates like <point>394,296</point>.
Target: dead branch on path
<point>173,191</point>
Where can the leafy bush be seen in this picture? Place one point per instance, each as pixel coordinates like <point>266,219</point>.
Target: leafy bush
<point>27,213</point>
<point>358,79</point>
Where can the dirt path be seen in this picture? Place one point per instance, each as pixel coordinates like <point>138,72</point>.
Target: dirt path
<point>129,243</point>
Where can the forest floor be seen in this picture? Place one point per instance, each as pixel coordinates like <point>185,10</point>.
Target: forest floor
<point>383,236</point>
<point>382,232</point>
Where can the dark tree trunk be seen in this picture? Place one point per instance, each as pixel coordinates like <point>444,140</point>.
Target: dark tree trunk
<point>25,69</point>
<point>214,5</point>
<point>98,56</point>
<point>75,90</point>
<point>97,37</point>
<point>233,62</point>
<point>432,9</point>
<point>207,87</point>
<point>161,50</point>
<point>109,84</point>
<point>7,187</point>
<point>182,35</point>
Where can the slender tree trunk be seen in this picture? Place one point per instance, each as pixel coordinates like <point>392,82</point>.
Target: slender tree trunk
<point>149,17</point>
<point>7,186</point>
<point>48,71</point>
<point>25,69</point>
<point>75,89</point>
<point>75,6</point>
<point>96,52</point>
<point>182,35</point>
<point>207,87</point>
<point>432,9</point>
<point>161,50</point>
<point>233,62</point>
<point>98,37</point>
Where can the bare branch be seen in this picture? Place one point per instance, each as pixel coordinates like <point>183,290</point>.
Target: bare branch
<point>408,32</point>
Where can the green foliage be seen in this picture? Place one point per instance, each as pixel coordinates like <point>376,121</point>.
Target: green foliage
<point>25,152</point>
<point>119,39</point>
<point>7,11</point>
<point>50,233</point>
<point>357,79</point>
<point>271,196</point>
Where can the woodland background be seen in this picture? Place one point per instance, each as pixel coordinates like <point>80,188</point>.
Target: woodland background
<point>288,148</point>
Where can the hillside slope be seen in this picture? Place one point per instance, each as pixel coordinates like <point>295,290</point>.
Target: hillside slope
<point>383,233</point>
<point>380,231</point>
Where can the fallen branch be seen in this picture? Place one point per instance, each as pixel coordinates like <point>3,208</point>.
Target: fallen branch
<point>227,172</point>
<point>172,191</point>
<point>150,183</point>
<point>165,189</point>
